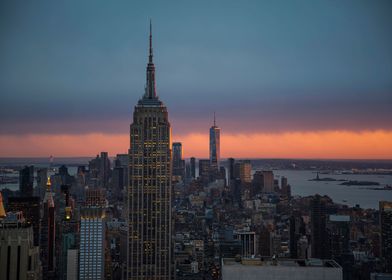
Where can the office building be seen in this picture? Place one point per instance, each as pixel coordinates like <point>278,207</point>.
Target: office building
<point>268,181</point>
<point>318,219</point>
<point>248,243</point>
<point>31,208</point>
<point>95,197</point>
<point>386,233</point>
<point>118,180</point>
<point>339,235</point>
<point>265,241</point>
<point>204,170</point>
<point>282,269</point>
<point>193,167</point>
<point>99,169</point>
<point>26,180</point>
<point>72,264</point>
<point>149,192</point>
<point>104,170</point>
<point>92,244</point>
<point>178,163</point>
<point>296,231</point>
<point>243,171</point>
<point>42,175</point>
<point>19,258</point>
<point>215,147</point>
<point>285,188</point>
<point>231,163</point>
<point>48,235</point>
<point>257,182</point>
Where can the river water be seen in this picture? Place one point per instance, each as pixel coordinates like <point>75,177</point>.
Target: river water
<point>300,185</point>
<point>350,195</point>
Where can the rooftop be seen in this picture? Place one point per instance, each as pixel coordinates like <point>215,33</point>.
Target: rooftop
<point>280,262</point>
<point>339,218</point>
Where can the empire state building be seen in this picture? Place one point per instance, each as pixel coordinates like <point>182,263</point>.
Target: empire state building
<point>149,191</point>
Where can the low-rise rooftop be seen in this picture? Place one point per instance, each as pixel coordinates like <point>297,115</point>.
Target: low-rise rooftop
<point>280,262</point>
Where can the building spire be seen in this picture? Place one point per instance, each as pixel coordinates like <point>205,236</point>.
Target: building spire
<point>48,198</point>
<point>214,119</point>
<point>150,81</point>
<point>48,184</point>
<point>151,55</point>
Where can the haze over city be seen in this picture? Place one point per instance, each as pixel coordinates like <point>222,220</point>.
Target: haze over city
<point>290,79</point>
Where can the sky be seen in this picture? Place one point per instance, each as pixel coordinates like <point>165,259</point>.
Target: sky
<point>287,79</point>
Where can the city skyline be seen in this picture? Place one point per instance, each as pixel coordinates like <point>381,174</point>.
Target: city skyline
<point>289,88</point>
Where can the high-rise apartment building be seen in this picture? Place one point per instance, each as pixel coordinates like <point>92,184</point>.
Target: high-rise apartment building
<point>215,147</point>
<point>386,233</point>
<point>149,192</point>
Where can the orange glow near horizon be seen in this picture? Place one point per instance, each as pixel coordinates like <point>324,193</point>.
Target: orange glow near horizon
<point>317,144</point>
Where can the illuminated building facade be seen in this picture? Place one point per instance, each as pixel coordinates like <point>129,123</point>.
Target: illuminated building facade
<point>92,244</point>
<point>149,192</point>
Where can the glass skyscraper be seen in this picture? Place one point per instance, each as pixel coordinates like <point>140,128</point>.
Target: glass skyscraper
<point>214,147</point>
<point>149,191</point>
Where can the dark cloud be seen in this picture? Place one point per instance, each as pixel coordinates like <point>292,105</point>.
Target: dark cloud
<point>79,67</point>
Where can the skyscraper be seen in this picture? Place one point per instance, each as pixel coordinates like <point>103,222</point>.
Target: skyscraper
<point>231,168</point>
<point>178,164</point>
<point>47,236</point>
<point>149,192</point>
<point>42,175</point>
<point>104,169</point>
<point>214,147</point>
<point>386,233</point>
<point>31,208</point>
<point>268,184</point>
<point>92,247</point>
<point>26,180</point>
<point>318,221</point>
<point>243,171</point>
<point>204,170</point>
<point>193,167</point>
<point>19,257</point>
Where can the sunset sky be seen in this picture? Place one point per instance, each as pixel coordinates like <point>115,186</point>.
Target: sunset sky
<point>287,79</point>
